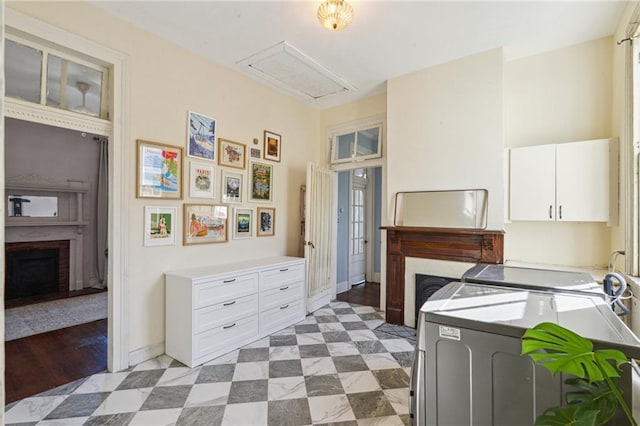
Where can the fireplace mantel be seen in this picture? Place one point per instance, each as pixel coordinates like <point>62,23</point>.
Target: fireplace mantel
<point>462,245</point>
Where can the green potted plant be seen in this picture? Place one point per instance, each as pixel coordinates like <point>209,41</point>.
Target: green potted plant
<point>595,378</point>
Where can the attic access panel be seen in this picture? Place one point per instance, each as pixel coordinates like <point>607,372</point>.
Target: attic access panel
<point>290,70</point>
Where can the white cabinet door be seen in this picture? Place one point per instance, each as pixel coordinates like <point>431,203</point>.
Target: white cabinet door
<point>533,183</point>
<point>582,181</point>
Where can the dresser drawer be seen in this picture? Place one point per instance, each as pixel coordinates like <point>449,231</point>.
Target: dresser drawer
<point>279,277</point>
<point>221,290</point>
<point>281,316</point>
<point>223,313</point>
<point>224,337</point>
<point>280,296</point>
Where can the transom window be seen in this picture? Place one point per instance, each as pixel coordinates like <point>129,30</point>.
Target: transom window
<point>357,143</point>
<point>45,76</point>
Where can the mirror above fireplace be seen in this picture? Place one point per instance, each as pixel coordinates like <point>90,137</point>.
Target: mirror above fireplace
<point>32,206</point>
<point>465,208</point>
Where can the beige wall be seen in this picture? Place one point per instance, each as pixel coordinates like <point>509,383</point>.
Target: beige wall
<point>445,130</point>
<point>165,82</point>
<point>556,97</point>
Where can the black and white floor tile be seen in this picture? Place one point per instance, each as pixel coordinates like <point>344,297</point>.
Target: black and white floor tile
<point>334,367</point>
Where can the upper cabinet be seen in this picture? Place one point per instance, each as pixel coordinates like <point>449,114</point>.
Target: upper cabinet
<point>563,182</point>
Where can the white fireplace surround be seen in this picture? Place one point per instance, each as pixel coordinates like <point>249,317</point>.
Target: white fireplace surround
<point>71,233</point>
<point>68,226</point>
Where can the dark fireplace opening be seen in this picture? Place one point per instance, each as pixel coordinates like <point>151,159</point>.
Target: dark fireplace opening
<point>36,269</point>
<point>426,285</point>
<point>32,272</point>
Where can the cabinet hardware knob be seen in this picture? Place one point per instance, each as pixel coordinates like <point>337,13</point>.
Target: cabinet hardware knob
<point>229,326</point>
<point>550,211</point>
<point>560,212</point>
<point>284,270</point>
<point>284,307</point>
<point>229,281</point>
<point>284,288</point>
<point>229,304</point>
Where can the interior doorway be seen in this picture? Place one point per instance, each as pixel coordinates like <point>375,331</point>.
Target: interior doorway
<point>57,198</point>
<point>358,236</point>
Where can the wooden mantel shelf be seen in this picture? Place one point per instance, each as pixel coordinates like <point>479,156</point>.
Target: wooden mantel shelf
<point>453,244</point>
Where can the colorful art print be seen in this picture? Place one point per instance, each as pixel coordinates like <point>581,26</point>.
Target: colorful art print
<point>232,187</point>
<point>160,226</point>
<point>266,222</point>
<point>201,180</point>
<point>256,153</point>
<point>243,223</point>
<point>205,223</point>
<point>159,171</point>
<point>231,154</point>
<point>272,146</point>
<point>201,136</point>
<point>261,182</point>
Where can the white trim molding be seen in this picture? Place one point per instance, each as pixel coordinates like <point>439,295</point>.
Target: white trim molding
<point>146,353</point>
<point>27,111</point>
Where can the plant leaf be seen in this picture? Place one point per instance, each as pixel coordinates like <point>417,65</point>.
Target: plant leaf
<point>565,416</point>
<point>562,351</point>
<point>595,396</point>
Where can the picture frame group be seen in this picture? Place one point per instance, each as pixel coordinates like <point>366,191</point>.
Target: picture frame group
<point>160,175</point>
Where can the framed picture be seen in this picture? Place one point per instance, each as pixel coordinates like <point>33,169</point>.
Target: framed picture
<point>202,177</point>
<point>242,223</point>
<point>266,222</point>
<point>261,182</point>
<point>205,223</point>
<point>160,226</point>
<point>232,187</point>
<point>272,147</point>
<point>256,153</point>
<point>201,136</point>
<point>159,171</point>
<point>231,154</point>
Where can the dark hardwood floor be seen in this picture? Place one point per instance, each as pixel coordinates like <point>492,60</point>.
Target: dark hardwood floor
<point>367,294</point>
<point>38,363</point>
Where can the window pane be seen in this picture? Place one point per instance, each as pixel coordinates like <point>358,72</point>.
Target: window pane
<point>73,87</point>
<point>368,141</point>
<point>345,145</point>
<point>23,66</point>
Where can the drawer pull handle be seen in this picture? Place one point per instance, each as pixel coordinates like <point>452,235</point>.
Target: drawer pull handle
<point>284,288</point>
<point>229,326</point>
<point>284,270</point>
<point>229,304</point>
<point>284,307</point>
<point>229,281</point>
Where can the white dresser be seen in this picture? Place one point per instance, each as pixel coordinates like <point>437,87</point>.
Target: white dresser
<point>212,310</point>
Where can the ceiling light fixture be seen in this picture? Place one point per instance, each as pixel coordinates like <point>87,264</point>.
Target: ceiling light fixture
<point>335,14</point>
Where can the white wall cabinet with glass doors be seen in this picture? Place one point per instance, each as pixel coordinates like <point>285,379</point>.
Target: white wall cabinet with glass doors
<point>561,182</point>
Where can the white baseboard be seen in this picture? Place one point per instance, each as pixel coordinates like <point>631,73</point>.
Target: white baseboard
<point>376,277</point>
<point>146,353</point>
<point>317,301</point>
<point>342,287</point>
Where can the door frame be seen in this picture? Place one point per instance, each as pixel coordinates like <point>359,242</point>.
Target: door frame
<point>117,130</point>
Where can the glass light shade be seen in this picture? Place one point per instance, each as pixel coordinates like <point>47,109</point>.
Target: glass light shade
<point>335,14</point>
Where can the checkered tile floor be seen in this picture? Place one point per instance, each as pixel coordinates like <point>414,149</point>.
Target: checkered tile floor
<point>334,367</point>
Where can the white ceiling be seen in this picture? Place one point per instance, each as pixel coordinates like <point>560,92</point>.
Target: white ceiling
<point>385,40</point>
